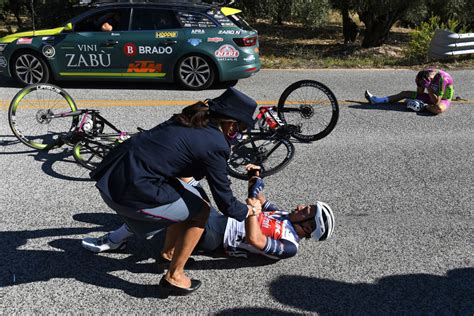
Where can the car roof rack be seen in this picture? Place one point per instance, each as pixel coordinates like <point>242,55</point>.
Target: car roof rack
<point>171,2</point>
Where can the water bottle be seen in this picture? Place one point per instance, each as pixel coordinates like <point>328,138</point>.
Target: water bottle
<point>88,124</point>
<point>270,120</point>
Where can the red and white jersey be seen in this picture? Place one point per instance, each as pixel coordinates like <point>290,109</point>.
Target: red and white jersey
<point>274,224</point>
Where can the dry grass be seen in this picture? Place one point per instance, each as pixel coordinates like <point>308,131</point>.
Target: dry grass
<point>294,46</point>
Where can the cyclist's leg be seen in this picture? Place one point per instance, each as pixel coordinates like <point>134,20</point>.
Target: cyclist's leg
<point>401,96</point>
<point>214,231</point>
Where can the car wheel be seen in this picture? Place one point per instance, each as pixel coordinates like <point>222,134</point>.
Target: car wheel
<point>29,68</point>
<point>195,72</point>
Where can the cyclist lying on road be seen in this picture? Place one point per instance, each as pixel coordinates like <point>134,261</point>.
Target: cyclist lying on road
<point>268,231</point>
<point>439,85</point>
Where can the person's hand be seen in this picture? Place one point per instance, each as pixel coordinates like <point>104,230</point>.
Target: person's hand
<point>106,27</point>
<point>253,170</point>
<point>255,206</point>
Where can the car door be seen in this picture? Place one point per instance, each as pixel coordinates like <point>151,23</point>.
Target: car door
<point>151,46</point>
<point>89,51</point>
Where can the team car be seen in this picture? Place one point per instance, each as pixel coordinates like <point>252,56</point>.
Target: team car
<point>190,42</point>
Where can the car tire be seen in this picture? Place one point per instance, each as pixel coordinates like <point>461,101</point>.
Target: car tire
<point>195,72</point>
<point>28,67</point>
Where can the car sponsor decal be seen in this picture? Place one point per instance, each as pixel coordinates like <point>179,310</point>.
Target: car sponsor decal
<point>195,20</point>
<point>130,49</point>
<point>90,57</point>
<point>24,40</point>
<point>229,32</point>
<point>166,34</point>
<point>215,39</point>
<point>226,53</point>
<point>249,58</point>
<point>194,41</point>
<point>144,66</point>
<point>49,51</point>
<point>155,50</point>
<point>198,31</point>
<point>3,62</point>
<point>47,38</point>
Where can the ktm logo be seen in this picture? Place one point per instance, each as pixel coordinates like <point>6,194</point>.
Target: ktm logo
<point>144,66</point>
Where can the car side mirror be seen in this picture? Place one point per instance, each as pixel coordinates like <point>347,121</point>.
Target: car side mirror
<point>68,27</point>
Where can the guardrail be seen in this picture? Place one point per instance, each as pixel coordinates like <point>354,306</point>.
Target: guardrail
<point>446,44</point>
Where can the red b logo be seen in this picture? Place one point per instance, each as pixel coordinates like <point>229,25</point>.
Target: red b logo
<point>130,49</point>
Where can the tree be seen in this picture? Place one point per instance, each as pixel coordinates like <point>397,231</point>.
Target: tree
<point>378,16</point>
<point>308,12</point>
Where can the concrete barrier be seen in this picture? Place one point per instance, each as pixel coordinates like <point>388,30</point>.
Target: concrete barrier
<point>446,44</point>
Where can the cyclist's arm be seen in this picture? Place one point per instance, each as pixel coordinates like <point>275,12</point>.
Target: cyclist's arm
<point>437,96</point>
<point>253,233</point>
<point>419,90</point>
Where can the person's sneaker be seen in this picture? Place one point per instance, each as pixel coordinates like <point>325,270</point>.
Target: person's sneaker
<point>102,243</point>
<point>369,97</point>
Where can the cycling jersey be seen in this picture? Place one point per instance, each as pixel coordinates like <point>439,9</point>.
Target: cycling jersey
<point>442,85</point>
<point>282,239</point>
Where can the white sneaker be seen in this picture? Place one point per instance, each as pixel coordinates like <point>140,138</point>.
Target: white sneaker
<point>369,96</point>
<point>102,244</point>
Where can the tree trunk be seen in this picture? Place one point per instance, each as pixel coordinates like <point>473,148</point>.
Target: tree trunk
<point>377,27</point>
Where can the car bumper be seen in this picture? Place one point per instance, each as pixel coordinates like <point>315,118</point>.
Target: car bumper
<point>4,66</point>
<point>240,72</point>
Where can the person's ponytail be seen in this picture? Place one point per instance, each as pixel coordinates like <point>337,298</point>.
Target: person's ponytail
<point>195,115</point>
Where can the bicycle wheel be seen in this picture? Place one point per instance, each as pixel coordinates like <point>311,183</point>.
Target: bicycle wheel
<point>32,115</point>
<point>310,105</point>
<point>271,153</point>
<point>89,153</point>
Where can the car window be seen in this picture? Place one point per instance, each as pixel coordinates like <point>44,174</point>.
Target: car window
<point>240,22</point>
<point>118,19</point>
<point>153,19</point>
<point>194,19</point>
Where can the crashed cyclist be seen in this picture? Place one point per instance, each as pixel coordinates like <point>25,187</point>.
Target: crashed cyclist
<point>438,84</point>
<point>268,231</point>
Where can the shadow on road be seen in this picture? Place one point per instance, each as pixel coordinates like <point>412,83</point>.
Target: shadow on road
<point>412,294</point>
<point>397,107</point>
<point>52,161</point>
<point>407,294</point>
<point>22,266</point>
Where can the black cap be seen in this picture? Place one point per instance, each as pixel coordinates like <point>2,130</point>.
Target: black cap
<point>236,105</point>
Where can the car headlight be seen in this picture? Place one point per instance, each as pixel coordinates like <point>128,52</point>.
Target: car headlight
<point>2,47</point>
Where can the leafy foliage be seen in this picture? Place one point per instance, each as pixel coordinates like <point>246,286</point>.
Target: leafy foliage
<point>421,37</point>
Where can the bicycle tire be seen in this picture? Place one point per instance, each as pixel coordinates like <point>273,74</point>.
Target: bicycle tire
<point>244,153</point>
<point>309,100</point>
<point>89,154</point>
<point>28,115</point>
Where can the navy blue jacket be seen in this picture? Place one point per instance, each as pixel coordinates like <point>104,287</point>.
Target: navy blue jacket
<point>139,173</point>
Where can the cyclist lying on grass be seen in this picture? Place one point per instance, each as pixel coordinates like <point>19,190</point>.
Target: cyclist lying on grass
<point>268,231</point>
<point>438,84</point>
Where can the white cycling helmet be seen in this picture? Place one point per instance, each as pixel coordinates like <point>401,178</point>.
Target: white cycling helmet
<point>324,219</point>
<point>415,105</point>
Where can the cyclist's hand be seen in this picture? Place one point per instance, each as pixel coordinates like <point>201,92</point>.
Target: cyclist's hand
<point>254,203</point>
<point>253,170</point>
<point>256,186</point>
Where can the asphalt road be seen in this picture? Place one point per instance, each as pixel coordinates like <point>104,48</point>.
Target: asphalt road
<point>400,183</point>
